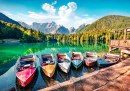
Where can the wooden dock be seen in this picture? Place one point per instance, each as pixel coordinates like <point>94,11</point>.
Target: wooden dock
<point>123,45</point>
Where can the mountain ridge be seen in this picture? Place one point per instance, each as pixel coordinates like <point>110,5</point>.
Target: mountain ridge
<point>5,18</point>
<point>108,23</point>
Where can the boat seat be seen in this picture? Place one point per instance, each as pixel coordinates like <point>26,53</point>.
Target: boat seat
<point>60,61</point>
<point>46,59</point>
<point>88,58</point>
<point>110,57</point>
<point>33,65</point>
<point>22,63</point>
<point>28,60</point>
<point>52,63</point>
<point>27,65</point>
<point>102,61</point>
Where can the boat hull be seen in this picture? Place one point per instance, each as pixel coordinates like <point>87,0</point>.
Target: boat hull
<point>63,69</point>
<point>92,63</point>
<point>77,66</point>
<point>63,61</point>
<point>103,63</point>
<point>49,70</point>
<point>26,82</point>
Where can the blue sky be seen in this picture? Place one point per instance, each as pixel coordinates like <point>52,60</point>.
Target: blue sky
<point>63,12</point>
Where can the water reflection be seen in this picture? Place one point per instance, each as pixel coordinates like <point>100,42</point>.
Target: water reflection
<point>63,75</point>
<point>6,66</point>
<point>10,52</point>
<point>77,72</point>
<point>49,81</point>
<point>90,69</point>
<point>30,86</point>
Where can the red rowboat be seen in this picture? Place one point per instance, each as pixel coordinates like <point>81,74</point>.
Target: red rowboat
<point>25,69</point>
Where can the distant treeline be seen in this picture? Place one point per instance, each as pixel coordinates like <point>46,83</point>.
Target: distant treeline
<point>9,30</point>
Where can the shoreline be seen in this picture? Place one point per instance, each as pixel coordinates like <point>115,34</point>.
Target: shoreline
<point>9,41</point>
<point>102,79</point>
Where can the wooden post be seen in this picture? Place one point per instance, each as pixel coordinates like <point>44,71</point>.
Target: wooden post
<point>109,42</point>
<point>125,33</point>
<point>110,49</point>
<point>122,54</point>
<point>109,37</point>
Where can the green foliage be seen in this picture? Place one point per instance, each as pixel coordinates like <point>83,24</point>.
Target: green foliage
<point>9,30</point>
<point>97,31</point>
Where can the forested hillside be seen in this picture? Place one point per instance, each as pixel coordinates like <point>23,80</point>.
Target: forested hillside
<point>108,23</point>
<point>9,30</point>
<point>7,19</point>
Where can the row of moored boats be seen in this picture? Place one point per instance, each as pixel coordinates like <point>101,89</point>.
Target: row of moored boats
<point>26,66</point>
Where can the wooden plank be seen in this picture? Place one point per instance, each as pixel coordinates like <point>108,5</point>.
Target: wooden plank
<point>125,51</point>
<point>125,33</point>
<point>128,30</point>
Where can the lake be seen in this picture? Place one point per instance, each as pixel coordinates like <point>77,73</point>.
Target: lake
<point>9,53</point>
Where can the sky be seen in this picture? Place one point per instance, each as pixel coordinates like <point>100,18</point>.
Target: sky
<point>69,13</point>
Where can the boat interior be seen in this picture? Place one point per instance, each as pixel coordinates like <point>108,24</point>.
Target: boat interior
<point>62,57</point>
<point>110,58</point>
<point>26,62</point>
<point>47,58</point>
<point>90,55</point>
<point>76,56</point>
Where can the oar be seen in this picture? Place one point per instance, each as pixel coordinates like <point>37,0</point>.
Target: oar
<point>40,60</point>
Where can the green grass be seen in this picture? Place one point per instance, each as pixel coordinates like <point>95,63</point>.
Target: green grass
<point>124,72</point>
<point>78,81</point>
<point>65,86</point>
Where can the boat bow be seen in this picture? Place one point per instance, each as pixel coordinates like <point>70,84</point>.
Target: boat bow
<point>76,62</point>
<point>65,65</point>
<point>25,75</point>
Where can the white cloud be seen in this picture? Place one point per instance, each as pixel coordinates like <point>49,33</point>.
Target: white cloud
<point>72,6</point>
<point>64,12</point>
<point>85,15</point>
<point>40,15</point>
<point>66,16</point>
<point>6,13</point>
<point>55,2</point>
<point>84,20</point>
<point>49,8</point>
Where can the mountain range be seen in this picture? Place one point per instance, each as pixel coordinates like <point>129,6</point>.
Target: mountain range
<point>46,28</point>
<point>105,23</point>
<point>51,27</point>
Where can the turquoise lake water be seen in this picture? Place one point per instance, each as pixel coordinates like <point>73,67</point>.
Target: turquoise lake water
<point>9,53</point>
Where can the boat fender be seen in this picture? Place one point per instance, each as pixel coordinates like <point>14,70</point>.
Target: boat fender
<point>76,59</point>
<point>61,58</point>
<point>115,60</point>
<point>45,64</point>
<point>29,67</point>
<point>52,63</point>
